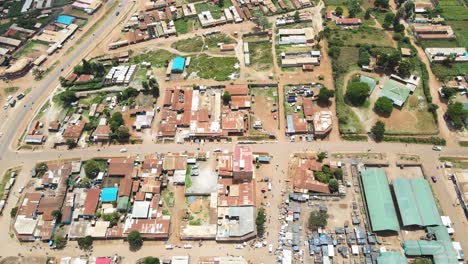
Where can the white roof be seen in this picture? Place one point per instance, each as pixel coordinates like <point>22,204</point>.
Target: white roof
<point>140,209</point>
<point>180,260</point>
<point>25,226</point>
<point>446,220</point>
<point>355,249</point>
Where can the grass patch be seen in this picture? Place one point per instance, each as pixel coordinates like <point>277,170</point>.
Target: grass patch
<point>188,177</point>
<point>261,56</point>
<point>443,72</point>
<point>28,48</point>
<point>215,10</point>
<point>335,2</point>
<point>12,89</point>
<point>463,144</point>
<point>438,43</point>
<point>213,40</point>
<point>196,222</point>
<point>157,58</point>
<point>4,181</point>
<point>360,35</point>
<point>189,45</point>
<point>416,140</point>
<point>185,25</point>
<point>354,138</point>
<point>168,198</point>
<point>216,68</point>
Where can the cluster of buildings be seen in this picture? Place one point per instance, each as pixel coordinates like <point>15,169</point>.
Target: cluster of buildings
<point>342,21</point>
<point>200,113</point>
<point>55,34</point>
<point>120,75</point>
<point>305,118</point>
<point>232,209</point>
<point>417,210</point>
<point>441,54</point>
<point>425,32</point>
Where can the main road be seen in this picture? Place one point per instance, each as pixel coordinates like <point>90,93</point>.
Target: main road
<point>19,117</point>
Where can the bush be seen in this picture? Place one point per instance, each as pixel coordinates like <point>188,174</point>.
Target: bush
<point>226,98</point>
<point>415,140</point>
<point>357,93</point>
<point>354,137</point>
<point>13,211</point>
<point>134,240</point>
<point>333,185</point>
<point>378,130</point>
<point>325,95</point>
<point>383,106</point>
<point>116,121</point>
<point>66,98</point>
<point>153,260</point>
<point>457,114</point>
<point>91,169</point>
<point>60,241</point>
<point>260,221</point>
<point>85,243</point>
<point>317,219</point>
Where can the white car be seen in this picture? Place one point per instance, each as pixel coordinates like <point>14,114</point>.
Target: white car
<point>169,247</point>
<point>270,248</point>
<point>217,150</point>
<point>436,148</point>
<point>239,246</point>
<point>187,246</point>
<point>123,150</point>
<point>20,190</point>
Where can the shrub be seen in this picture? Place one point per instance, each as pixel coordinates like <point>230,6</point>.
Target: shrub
<point>378,130</point>
<point>383,106</point>
<point>91,169</point>
<point>134,240</point>
<point>317,219</point>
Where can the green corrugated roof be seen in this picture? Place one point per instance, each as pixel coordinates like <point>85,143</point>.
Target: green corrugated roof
<point>440,233</point>
<point>396,92</point>
<point>428,208</point>
<point>391,257</point>
<point>122,203</point>
<point>371,82</point>
<point>379,200</point>
<point>416,202</point>
<point>441,252</point>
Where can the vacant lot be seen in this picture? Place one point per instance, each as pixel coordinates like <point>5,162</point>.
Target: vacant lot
<point>185,25</point>
<point>189,45</point>
<point>216,68</point>
<point>31,49</point>
<point>442,71</point>
<point>361,35</point>
<point>215,10</point>
<point>157,58</point>
<point>261,57</point>
<point>212,40</point>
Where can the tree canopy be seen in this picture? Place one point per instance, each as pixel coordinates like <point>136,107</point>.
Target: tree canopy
<point>260,221</point>
<point>333,185</point>
<point>325,95</point>
<point>226,97</point>
<point>457,114</point>
<point>91,169</point>
<point>116,121</point>
<point>378,130</point>
<point>85,243</point>
<point>357,93</point>
<point>339,11</point>
<point>66,98</point>
<point>383,106</point>
<point>317,219</point>
<point>153,260</point>
<point>134,240</point>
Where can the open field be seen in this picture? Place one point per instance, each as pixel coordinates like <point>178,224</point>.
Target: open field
<point>216,68</point>
<point>261,57</point>
<point>30,48</point>
<point>442,71</point>
<point>189,45</point>
<point>157,57</point>
<point>363,34</point>
<point>185,25</point>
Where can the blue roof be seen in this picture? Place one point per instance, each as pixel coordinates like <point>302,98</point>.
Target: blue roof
<point>178,64</point>
<point>290,122</point>
<point>64,19</point>
<point>109,194</point>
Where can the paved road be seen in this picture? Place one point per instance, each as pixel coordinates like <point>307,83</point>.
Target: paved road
<point>18,118</point>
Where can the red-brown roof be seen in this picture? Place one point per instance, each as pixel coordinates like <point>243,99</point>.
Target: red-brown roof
<point>237,89</point>
<point>121,167</point>
<point>91,201</point>
<point>29,204</point>
<point>232,193</point>
<point>308,107</point>
<point>74,131</point>
<point>47,205</point>
<point>125,187</point>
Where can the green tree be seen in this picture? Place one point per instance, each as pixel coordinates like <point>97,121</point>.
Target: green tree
<point>66,98</point>
<point>71,143</point>
<point>113,218</point>
<point>134,240</point>
<point>325,95</point>
<point>357,93</point>
<point>41,168</point>
<point>405,68</point>
<point>226,98</point>
<point>91,169</point>
<point>128,93</point>
<point>260,221</point>
<point>381,4</point>
<point>448,92</point>
<point>334,52</point>
<point>367,15</point>
<point>317,219</point>
<point>145,86</point>
<point>261,20</point>
<point>333,185</point>
<point>85,243</point>
<point>321,156</point>
<point>13,211</point>
<point>457,114</point>
<point>378,130</point>
<point>116,121</point>
<point>338,174</point>
<point>322,176</point>
<point>122,133</point>
<point>57,215</point>
<point>388,20</point>
<point>353,8</point>
<point>339,11</point>
<point>60,241</point>
<point>383,106</point>
<point>297,17</point>
<point>152,260</point>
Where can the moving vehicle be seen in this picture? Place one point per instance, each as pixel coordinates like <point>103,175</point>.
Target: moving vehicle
<point>436,148</point>
<point>20,96</point>
<point>169,247</point>
<point>123,150</point>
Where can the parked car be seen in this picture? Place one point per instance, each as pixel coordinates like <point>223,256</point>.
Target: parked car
<point>434,179</point>
<point>436,148</point>
<point>13,103</point>
<point>169,247</point>
<point>20,96</point>
<point>123,150</point>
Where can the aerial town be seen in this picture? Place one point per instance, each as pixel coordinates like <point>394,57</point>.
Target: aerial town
<point>233,131</point>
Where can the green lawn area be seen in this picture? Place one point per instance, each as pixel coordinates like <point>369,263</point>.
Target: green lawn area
<point>215,10</point>
<point>213,40</point>
<point>344,7</point>
<point>442,71</point>
<point>185,25</point>
<point>188,177</point>
<point>28,48</point>
<point>454,12</point>
<point>15,8</point>
<point>189,45</point>
<point>12,89</point>
<point>380,15</point>
<point>5,179</point>
<point>261,57</point>
<point>361,35</point>
<point>461,31</point>
<point>271,92</point>
<point>215,68</point>
<point>157,57</point>
<point>335,2</point>
<point>438,43</point>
